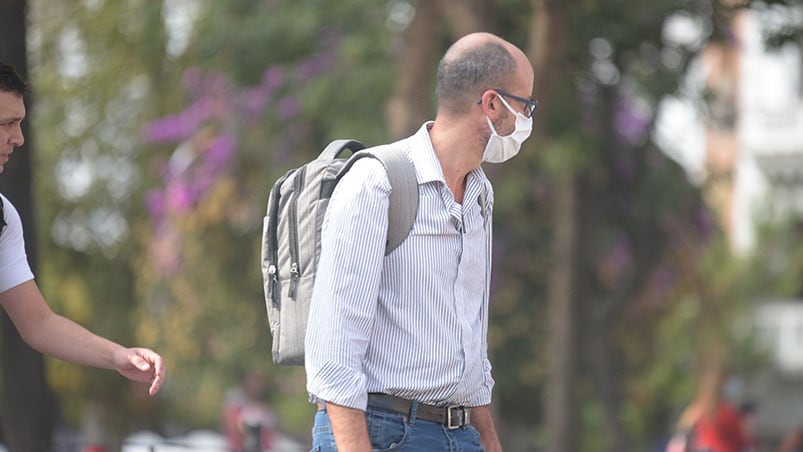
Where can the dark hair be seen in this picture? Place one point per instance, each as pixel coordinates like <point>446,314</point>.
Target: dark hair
<point>463,77</point>
<point>11,81</point>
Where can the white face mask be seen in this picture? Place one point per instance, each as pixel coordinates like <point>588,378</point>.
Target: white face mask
<point>502,148</point>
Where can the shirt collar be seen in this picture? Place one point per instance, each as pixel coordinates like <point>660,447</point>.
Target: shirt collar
<point>428,167</point>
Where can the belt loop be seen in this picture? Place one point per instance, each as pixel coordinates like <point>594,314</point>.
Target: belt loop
<point>413,412</point>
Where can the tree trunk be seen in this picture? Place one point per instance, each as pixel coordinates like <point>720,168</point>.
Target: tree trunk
<point>466,16</point>
<point>27,403</point>
<point>561,348</point>
<point>547,45</point>
<point>602,355</point>
<point>409,105</point>
<point>546,51</point>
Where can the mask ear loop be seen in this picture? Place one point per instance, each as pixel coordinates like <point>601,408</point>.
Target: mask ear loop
<point>504,102</point>
<point>511,109</point>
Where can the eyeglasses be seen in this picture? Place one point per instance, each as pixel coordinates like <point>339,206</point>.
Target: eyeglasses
<point>529,104</point>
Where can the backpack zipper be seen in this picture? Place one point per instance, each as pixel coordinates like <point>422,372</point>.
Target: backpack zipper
<point>295,271</point>
<point>273,273</point>
<point>272,288</point>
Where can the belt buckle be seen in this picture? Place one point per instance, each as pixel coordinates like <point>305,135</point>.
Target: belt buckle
<point>462,419</point>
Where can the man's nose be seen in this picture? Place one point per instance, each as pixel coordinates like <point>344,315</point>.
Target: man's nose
<point>17,139</point>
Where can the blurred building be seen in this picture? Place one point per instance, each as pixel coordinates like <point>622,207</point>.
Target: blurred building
<point>745,149</point>
<point>779,390</point>
<point>770,133</point>
<point>767,184</point>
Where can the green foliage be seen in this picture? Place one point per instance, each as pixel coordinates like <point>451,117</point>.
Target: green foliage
<point>654,278</point>
<point>208,321</point>
<point>712,304</point>
<point>92,63</point>
<point>656,283</point>
<point>210,309</point>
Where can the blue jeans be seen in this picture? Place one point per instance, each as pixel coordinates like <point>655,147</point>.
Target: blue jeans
<point>398,432</point>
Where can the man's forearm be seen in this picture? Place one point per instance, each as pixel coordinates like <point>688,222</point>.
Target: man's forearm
<point>69,341</point>
<point>481,420</point>
<point>53,334</point>
<point>349,428</point>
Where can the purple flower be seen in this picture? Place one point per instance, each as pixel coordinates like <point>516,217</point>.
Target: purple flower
<point>221,151</point>
<point>704,221</point>
<point>314,66</point>
<point>180,126</point>
<point>662,279</point>
<point>272,78</point>
<point>620,253</point>
<point>254,101</point>
<point>288,107</point>
<point>180,197</point>
<point>631,120</point>
<point>155,203</point>
<point>615,262</point>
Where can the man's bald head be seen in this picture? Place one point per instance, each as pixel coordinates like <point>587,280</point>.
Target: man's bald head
<point>476,62</point>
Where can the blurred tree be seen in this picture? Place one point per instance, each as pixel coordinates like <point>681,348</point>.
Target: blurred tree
<point>601,204</point>
<point>547,47</point>
<point>647,248</point>
<point>411,103</point>
<point>611,212</point>
<point>603,250</point>
<point>98,69</point>
<point>27,405</point>
<point>250,114</point>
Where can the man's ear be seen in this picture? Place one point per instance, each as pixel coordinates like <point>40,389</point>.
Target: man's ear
<point>490,103</point>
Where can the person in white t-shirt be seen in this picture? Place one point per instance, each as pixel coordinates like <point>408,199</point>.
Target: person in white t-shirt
<point>39,326</point>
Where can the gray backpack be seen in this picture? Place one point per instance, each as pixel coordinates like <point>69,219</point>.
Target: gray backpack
<point>291,233</point>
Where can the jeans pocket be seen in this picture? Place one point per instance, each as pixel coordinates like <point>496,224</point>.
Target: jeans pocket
<point>476,434</point>
<point>388,431</point>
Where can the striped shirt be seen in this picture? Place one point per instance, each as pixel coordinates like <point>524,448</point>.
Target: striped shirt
<point>412,324</point>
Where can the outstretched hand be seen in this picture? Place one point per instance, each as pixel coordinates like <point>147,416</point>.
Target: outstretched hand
<point>141,364</point>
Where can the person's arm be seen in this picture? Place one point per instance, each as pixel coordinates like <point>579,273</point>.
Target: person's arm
<point>57,336</point>
<point>481,420</point>
<point>345,296</point>
<point>349,428</point>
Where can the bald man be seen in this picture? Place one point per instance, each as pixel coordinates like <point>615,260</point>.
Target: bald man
<point>396,346</point>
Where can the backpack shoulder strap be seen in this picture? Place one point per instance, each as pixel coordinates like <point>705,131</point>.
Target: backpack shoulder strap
<point>403,196</point>
<point>2,216</point>
<point>336,148</point>
<point>404,189</point>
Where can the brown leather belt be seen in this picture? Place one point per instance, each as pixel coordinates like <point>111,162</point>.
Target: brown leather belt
<point>452,416</point>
